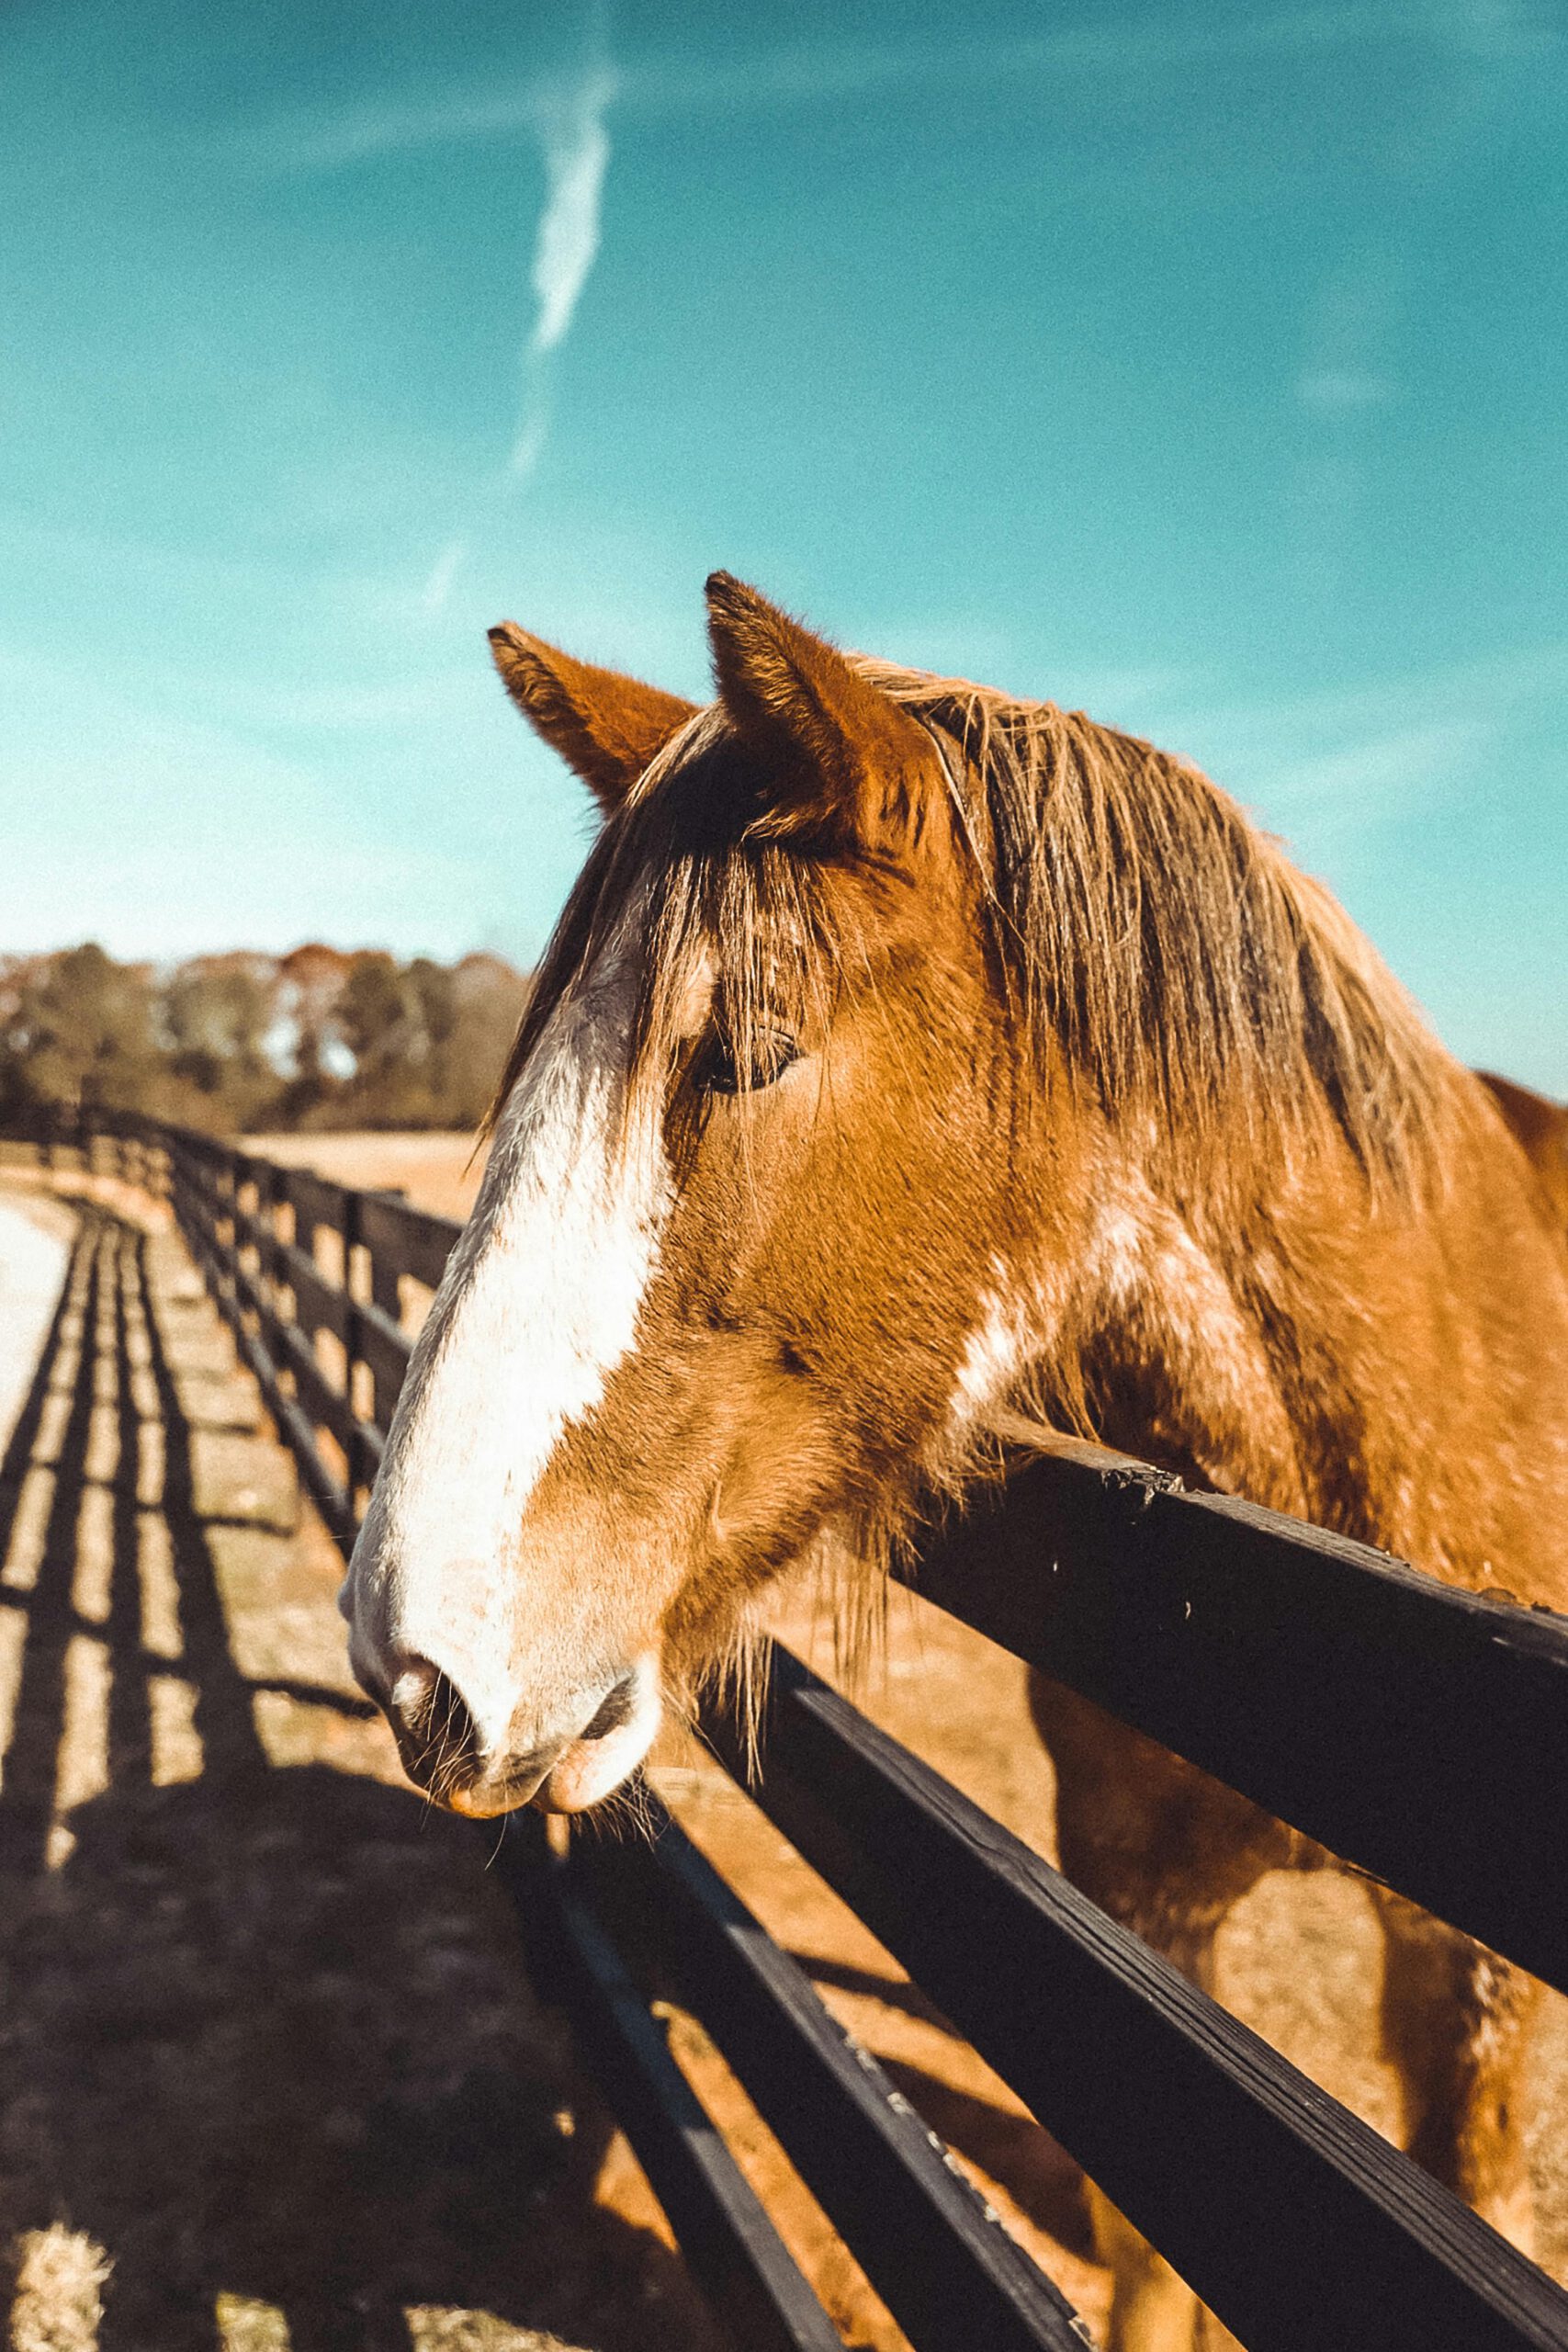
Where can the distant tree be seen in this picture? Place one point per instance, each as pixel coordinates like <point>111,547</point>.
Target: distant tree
<point>218,1013</point>
<point>434,1011</point>
<point>81,1031</point>
<point>374,1014</point>
<point>19,980</point>
<point>310,985</point>
<point>316,1038</point>
<point>429,1040</point>
<point>488,1000</point>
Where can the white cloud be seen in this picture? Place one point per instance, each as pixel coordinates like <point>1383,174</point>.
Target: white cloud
<point>315,140</point>
<point>568,118</point>
<point>533,425</point>
<point>1387,770</point>
<point>1496,683</point>
<point>1330,768</point>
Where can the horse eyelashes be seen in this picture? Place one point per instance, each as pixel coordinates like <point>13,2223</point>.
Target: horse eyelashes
<point>723,1067</point>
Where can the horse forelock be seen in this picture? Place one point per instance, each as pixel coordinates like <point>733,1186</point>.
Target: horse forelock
<point>746,919</point>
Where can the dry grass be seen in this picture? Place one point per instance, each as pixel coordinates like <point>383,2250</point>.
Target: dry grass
<point>59,2295</point>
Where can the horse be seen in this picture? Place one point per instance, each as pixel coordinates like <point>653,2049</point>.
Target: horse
<point>912,1063</point>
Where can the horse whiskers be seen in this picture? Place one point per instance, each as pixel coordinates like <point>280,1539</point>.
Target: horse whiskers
<point>627,1813</point>
<point>446,1754</point>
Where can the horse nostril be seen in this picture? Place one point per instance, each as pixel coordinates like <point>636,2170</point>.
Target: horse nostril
<point>435,1733</point>
<point>614,1710</point>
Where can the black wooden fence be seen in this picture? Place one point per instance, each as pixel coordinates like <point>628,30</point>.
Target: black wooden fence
<point>1421,1733</point>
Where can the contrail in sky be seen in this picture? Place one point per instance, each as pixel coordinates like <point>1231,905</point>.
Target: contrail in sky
<point>577,150</point>
<point>577,154</point>
<point>569,123</point>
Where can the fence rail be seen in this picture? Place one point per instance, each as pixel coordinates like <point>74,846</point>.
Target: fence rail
<point>1420,1733</point>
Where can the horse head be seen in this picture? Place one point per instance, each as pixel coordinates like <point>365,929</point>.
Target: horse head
<point>732,1275</point>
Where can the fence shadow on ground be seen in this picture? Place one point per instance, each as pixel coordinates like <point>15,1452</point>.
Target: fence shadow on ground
<point>265,2039</point>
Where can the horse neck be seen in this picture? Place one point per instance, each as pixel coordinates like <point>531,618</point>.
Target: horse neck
<point>1391,1362</point>
<point>1173,1335</point>
<point>1217,1308</point>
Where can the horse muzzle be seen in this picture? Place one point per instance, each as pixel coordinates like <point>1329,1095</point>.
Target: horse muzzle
<point>565,1772</point>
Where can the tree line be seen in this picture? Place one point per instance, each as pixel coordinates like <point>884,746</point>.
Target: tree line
<point>244,1042</point>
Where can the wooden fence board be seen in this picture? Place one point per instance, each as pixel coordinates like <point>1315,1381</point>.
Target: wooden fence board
<point>322,1303</point>
<point>378,1342</point>
<point>879,2172</point>
<point>314,1200</point>
<point>1296,2223</point>
<point>1420,1732</point>
<point>732,2247</point>
<point>417,1242</point>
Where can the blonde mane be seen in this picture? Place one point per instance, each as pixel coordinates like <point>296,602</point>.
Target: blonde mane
<point>1194,984</point>
<point>1190,974</point>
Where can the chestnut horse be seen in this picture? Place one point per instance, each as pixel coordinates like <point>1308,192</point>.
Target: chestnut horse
<point>909,1060</point>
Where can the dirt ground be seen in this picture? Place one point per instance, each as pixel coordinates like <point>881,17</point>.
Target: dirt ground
<point>272,2070</point>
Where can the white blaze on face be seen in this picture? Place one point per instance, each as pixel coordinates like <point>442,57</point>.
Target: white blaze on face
<point>538,1303</point>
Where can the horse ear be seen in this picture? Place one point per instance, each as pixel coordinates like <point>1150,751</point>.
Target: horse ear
<point>605,726</point>
<point>854,764</point>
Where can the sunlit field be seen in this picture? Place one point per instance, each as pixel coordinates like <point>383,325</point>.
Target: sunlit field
<point>439,1171</point>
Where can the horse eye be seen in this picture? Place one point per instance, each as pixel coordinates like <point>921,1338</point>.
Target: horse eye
<point>718,1071</point>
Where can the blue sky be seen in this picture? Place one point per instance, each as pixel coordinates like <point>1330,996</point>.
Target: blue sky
<point>1204,366</point>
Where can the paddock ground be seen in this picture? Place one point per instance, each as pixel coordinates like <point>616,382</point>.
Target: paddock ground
<point>270,2072</point>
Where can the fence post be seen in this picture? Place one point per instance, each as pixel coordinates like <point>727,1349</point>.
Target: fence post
<point>386,1289</point>
<point>361,1461</point>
